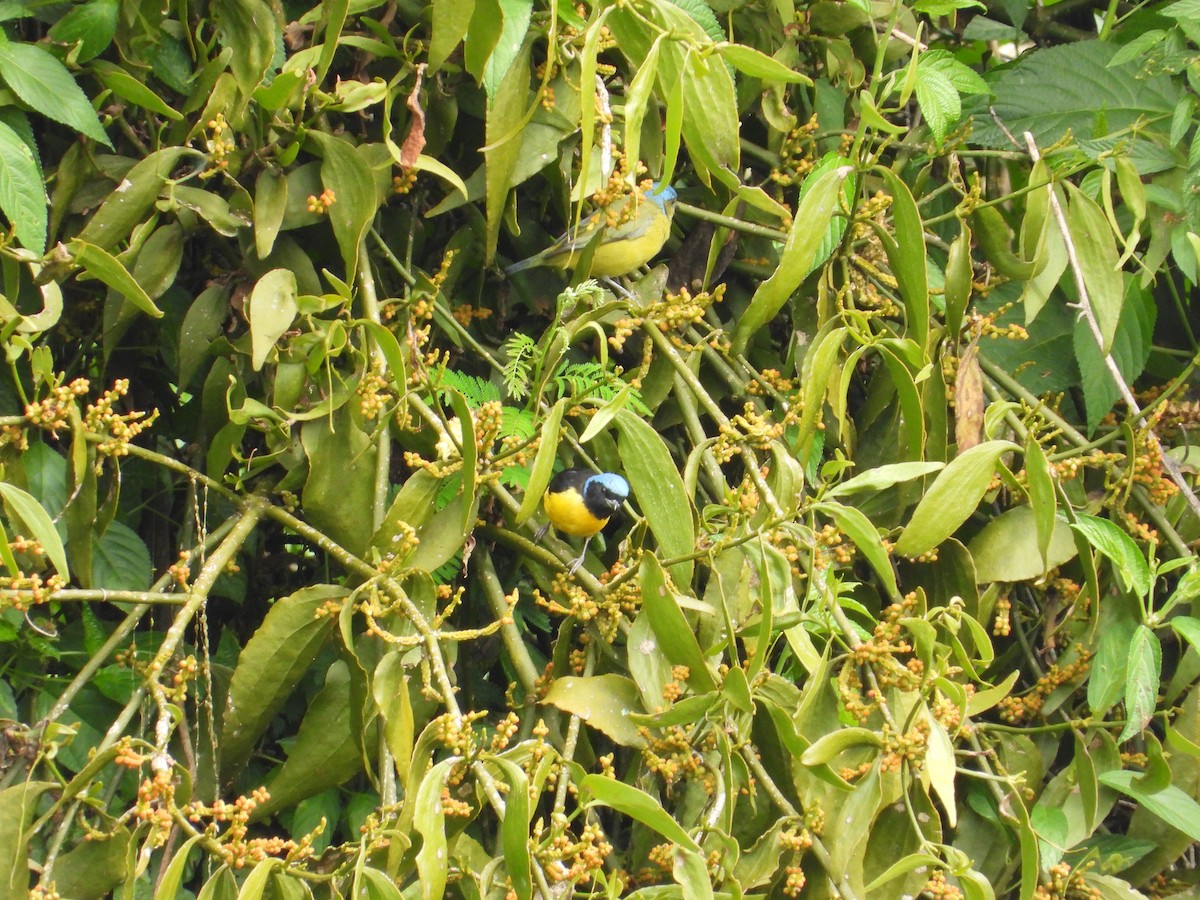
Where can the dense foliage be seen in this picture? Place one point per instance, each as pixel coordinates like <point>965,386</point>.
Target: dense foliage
<point>903,602</point>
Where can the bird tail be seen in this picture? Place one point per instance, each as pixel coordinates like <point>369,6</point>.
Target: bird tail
<point>523,265</point>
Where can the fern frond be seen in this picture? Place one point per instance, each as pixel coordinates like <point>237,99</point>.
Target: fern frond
<point>520,349</point>
<point>475,390</point>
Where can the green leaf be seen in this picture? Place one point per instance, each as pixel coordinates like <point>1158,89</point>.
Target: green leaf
<point>44,84</point>
<point>433,860</point>
<point>101,264</point>
<point>952,498</point>
<point>1070,87</point>
<point>1142,674</point>
<point>1171,804</point>
<point>1106,680</point>
<point>1131,348</point>
<point>133,199</point>
<point>135,91</point>
<point>201,326</point>
<point>800,251</point>
<point>451,19</point>
<point>658,488</point>
<point>757,64</point>
<point>830,746</point>
<point>1119,548</point>
<point>883,477</point>
<point>602,701</point>
<point>247,28</point>
<point>270,309</point>
<point>171,880</point>
<point>339,493</point>
<point>92,25</point>
<point>638,805</point>
<point>93,867</point>
<point>675,636</point>
<point>17,805</point>
<point>906,254</point>
<point>270,665</point>
<point>939,101</point>
<point>1096,250</point>
<point>1007,549</point>
<point>516,15</point>
<point>1042,498</point>
<point>22,197</point>
<point>866,538</point>
<point>121,560</point>
<point>325,752</point>
<point>37,524</point>
<point>344,171</point>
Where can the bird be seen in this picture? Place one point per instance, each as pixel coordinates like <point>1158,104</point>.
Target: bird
<point>630,239</point>
<point>580,502</point>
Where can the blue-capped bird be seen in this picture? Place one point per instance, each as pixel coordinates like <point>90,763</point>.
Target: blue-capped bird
<point>580,502</point>
<point>631,237</point>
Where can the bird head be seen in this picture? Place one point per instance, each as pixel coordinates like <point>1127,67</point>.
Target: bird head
<point>607,491</point>
<point>664,196</point>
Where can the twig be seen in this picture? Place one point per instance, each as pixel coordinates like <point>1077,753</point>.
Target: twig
<point>1088,315</point>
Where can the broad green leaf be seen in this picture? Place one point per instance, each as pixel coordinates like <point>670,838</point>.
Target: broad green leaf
<point>433,860</point>
<point>816,211</point>
<point>1142,674</point>
<point>270,203</point>
<point>22,196</point>
<point>171,880</point>
<point>1042,497</point>
<point>339,493</point>
<point>1131,348</point>
<point>1070,87</point>
<point>17,804</point>
<point>1171,804</point>
<point>102,265</point>
<point>636,804</point>
<point>758,65</point>
<point>516,15</point>
<point>506,114</point>
<point>637,98</point>
<point>94,867</point>
<point>256,883</point>
<point>1007,547</point>
<point>604,702</point>
<point>543,463</point>
<point>248,28</point>
<point>121,560</point>
<point>959,279</point>
<point>952,497</point>
<point>413,505</point>
<point>324,753</point>
<point>451,19</point>
<point>829,746</point>
<point>983,700</point>
<point>92,25</point>
<point>201,326</point>
<point>676,637</point>
<point>37,524</point>
<point>1106,679</point>
<point>882,477</point>
<point>344,171</point>
<point>125,86</point>
<point>44,84</point>
<point>270,666</point>
<point>658,488</point>
<point>906,253</point>
<point>939,763</point>
<point>443,535</point>
<point>1119,549</point>
<point>866,537</point>
<point>515,827</point>
<point>1097,255</point>
<point>133,198</point>
<point>270,309</point>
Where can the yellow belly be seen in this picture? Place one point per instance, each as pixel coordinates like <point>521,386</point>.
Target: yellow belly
<point>568,515</point>
<point>620,257</point>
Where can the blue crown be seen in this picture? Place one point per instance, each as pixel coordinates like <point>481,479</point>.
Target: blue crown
<point>662,194</point>
<point>611,482</point>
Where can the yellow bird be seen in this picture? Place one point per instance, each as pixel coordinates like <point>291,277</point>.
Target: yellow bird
<point>634,239</point>
<point>579,502</point>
